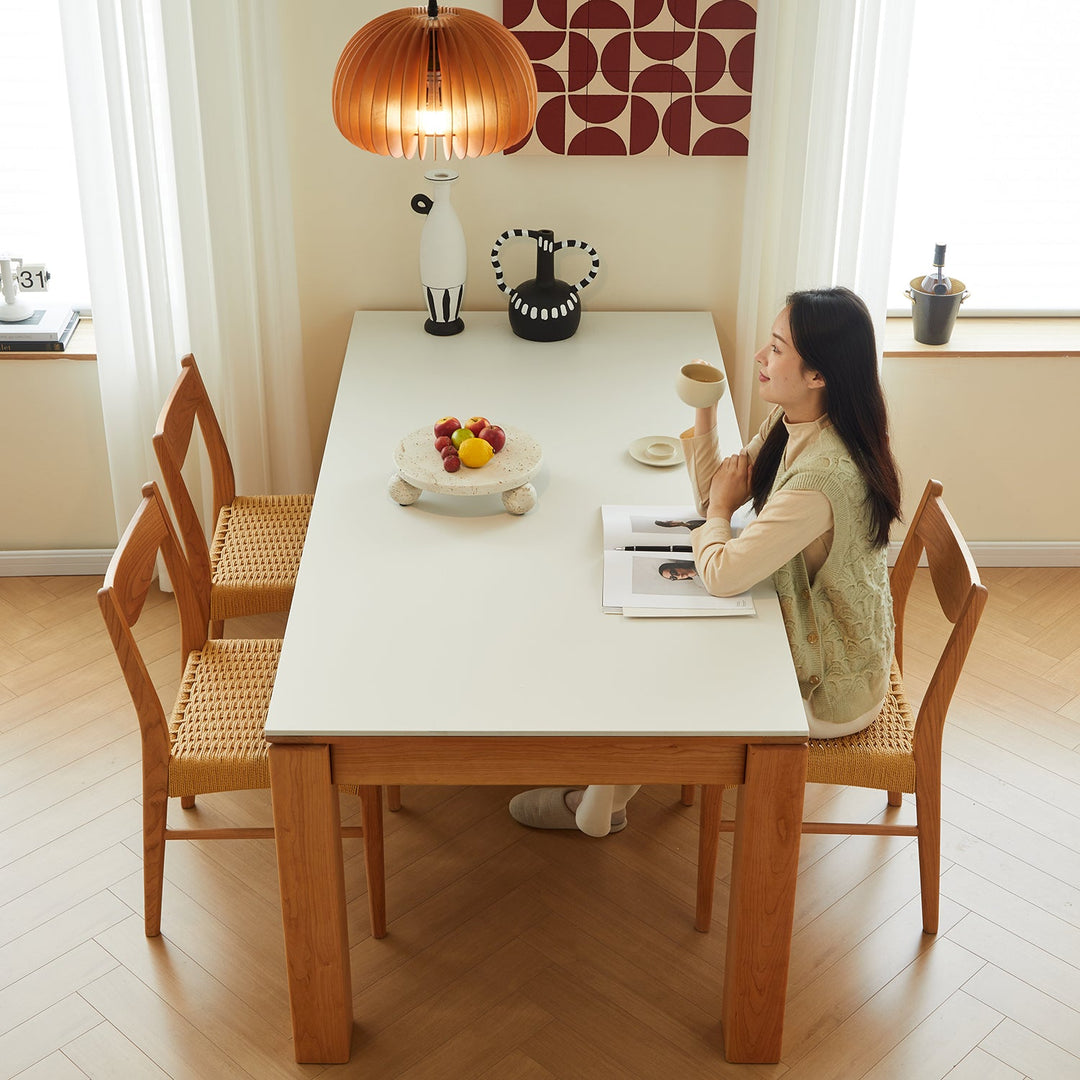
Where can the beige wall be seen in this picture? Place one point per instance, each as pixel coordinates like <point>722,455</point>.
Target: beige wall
<point>54,473</point>
<point>1001,435</point>
<point>668,229</point>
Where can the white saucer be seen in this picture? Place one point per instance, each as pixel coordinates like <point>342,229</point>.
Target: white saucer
<point>662,450</point>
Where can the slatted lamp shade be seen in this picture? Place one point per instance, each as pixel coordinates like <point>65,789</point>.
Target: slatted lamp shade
<point>448,73</point>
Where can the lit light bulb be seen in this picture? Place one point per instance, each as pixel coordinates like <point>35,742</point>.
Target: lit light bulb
<point>433,121</point>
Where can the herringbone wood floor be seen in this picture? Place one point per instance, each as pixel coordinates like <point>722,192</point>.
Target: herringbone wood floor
<point>516,955</point>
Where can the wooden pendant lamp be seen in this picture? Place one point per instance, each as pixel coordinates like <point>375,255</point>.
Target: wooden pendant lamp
<point>449,74</point>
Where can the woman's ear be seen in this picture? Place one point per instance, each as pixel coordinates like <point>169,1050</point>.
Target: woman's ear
<point>814,379</point>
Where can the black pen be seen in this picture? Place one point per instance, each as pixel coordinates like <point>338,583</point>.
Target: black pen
<point>647,548</point>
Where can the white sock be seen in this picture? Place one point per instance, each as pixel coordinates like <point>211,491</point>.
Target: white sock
<point>598,803</point>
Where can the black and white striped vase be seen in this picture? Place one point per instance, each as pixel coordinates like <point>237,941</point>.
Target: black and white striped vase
<point>544,308</point>
<point>442,256</point>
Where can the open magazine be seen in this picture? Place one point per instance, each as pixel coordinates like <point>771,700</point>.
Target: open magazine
<point>649,566</point>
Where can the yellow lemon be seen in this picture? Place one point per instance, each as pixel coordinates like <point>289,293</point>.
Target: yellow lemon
<point>475,452</point>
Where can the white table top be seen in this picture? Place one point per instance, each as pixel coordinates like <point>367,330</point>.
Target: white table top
<point>453,617</point>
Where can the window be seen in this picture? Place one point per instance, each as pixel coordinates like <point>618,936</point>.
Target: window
<point>990,164</point>
<point>40,219</point>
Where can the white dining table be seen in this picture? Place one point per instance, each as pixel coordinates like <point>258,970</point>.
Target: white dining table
<point>402,615</point>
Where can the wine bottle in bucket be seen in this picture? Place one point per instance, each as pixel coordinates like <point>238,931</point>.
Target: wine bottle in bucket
<point>936,282</point>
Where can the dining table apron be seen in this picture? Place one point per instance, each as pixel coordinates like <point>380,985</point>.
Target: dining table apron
<point>452,642</point>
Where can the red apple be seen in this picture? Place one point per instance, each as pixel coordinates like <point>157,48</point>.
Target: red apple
<point>442,442</point>
<point>451,463</point>
<point>449,450</point>
<point>476,424</point>
<point>494,435</point>
<point>446,426</point>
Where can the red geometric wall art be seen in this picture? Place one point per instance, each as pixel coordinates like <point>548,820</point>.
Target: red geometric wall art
<point>638,77</point>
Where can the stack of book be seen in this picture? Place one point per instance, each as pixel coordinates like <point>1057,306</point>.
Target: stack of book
<point>46,330</point>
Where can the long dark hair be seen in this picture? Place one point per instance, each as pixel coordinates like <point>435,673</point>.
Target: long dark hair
<point>832,331</point>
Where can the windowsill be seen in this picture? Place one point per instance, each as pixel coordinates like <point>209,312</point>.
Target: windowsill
<point>984,336</point>
<point>82,346</point>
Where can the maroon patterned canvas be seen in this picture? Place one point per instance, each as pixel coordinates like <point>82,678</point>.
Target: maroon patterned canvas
<point>638,76</point>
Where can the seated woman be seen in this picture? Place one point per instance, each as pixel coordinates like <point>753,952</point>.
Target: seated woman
<point>826,490</point>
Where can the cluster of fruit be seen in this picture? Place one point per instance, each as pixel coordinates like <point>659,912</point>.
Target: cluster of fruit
<point>471,444</point>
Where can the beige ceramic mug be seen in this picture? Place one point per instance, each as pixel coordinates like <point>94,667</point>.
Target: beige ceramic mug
<point>700,385</point>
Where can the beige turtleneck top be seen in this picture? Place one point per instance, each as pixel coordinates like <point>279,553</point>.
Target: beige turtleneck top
<point>790,522</point>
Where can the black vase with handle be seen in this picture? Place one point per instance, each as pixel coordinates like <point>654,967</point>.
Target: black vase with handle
<point>544,308</point>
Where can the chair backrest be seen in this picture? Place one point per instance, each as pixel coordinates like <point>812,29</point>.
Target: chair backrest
<point>186,403</point>
<point>960,593</point>
<point>123,596</point>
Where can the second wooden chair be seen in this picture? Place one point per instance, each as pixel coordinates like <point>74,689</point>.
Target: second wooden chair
<point>254,555</point>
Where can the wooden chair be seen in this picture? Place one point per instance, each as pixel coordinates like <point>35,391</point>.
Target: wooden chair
<point>213,738</point>
<point>254,555</point>
<point>897,753</point>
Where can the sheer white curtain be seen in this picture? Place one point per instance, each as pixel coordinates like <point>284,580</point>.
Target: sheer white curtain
<point>830,78</point>
<point>176,107</point>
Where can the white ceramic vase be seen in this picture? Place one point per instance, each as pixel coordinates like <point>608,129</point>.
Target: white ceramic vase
<point>442,255</point>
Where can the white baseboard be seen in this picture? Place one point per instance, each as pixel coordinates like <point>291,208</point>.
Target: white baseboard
<point>1020,553</point>
<point>88,562</point>
<point>1016,553</point>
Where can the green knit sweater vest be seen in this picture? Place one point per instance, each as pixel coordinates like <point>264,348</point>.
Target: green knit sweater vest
<point>840,628</point>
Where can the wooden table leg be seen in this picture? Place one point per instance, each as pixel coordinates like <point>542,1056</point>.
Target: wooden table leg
<point>307,826</point>
<point>712,799</point>
<point>764,870</point>
<point>371,809</point>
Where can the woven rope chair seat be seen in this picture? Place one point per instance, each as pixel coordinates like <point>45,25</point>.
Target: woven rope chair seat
<point>880,756</point>
<point>255,554</point>
<point>216,729</point>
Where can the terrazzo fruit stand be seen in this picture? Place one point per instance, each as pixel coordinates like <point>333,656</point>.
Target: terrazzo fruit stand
<point>420,468</point>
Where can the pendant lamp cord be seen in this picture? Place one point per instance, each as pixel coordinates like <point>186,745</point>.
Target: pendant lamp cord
<point>433,72</point>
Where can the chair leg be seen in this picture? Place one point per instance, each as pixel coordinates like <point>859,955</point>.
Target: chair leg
<point>928,818</point>
<point>155,815</point>
<point>187,802</point>
<point>393,797</point>
<point>688,794</point>
<point>896,798</point>
<point>371,811</point>
<point>712,798</point>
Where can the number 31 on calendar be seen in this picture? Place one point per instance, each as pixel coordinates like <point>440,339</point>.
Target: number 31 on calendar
<point>33,277</point>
